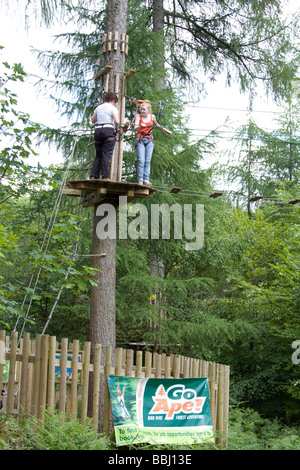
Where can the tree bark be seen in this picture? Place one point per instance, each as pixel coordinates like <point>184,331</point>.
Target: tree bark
<point>116,22</point>
<point>102,305</point>
<point>158,27</point>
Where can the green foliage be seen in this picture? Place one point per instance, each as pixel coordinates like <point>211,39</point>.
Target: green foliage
<point>236,39</point>
<point>247,431</point>
<point>237,300</point>
<point>17,177</point>
<point>54,433</point>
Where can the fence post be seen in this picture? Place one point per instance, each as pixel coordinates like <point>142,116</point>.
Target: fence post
<point>43,376</point>
<point>63,375</point>
<point>38,393</point>
<point>11,374</point>
<point>74,380</point>
<point>139,360</point>
<point>24,373</point>
<point>36,376</point>
<point>96,384</point>
<point>51,374</point>
<point>85,380</point>
<point>119,358</point>
<point>148,364</point>
<point>107,371</point>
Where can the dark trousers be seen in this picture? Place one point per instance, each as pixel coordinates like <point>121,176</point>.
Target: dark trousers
<point>105,139</point>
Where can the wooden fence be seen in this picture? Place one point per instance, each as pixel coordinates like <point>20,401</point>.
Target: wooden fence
<point>38,374</point>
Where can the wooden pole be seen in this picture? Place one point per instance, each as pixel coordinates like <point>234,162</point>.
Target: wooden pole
<point>102,307</point>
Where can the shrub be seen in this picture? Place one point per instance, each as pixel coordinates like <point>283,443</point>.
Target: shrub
<point>54,433</point>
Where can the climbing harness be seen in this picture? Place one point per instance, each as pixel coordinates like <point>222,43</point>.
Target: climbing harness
<point>145,133</point>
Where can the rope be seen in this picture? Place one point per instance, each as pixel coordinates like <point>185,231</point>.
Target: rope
<point>47,238</point>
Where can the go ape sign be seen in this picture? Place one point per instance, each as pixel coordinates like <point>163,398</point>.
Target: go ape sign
<point>161,411</point>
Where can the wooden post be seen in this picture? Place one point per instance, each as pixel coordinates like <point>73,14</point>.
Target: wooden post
<point>43,377</point>
<point>74,380</point>
<point>63,375</point>
<point>85,380</point>
<point>24,373</point>
<point>36,377</point>
<point>11,374</point>
<point>51,374</point>
<point>107,410</point>
<point>96,385</point>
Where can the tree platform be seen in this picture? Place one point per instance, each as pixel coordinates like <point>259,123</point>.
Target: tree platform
<point>97,191</point>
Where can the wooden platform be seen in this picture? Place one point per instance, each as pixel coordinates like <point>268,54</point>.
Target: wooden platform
<point>96,191</point>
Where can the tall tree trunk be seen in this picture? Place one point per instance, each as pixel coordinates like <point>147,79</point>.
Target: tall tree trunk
<point>158,27</point>
<point>156,264</point>
<point>102,306</point>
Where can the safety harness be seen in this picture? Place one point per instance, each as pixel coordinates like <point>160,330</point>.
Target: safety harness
<point>146,132</point>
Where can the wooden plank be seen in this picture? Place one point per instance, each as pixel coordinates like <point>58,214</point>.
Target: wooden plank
<point>158,367</point>
<point>294,201</point>
<point>111,186</point>
<point>148,364</point>
<point>221,404</point>
<point>36,376</point>
<point>85,380</point>
<point>71,192</point>
<point>126,44</point>
<point>122,37</point>
<point>106,411</point>
<point>119,354</point>
<point>11,373</point>
<point>129,362</point>
<point>30,377</point>
<point>139,363</point>
<point>168,367</point>
<point>24,373</point>
<point>212,392</point>
<point>63,375</point>
<point>115,43</point>
<point>43,377</point>
<point>226,404</point>
<point>96,385</point>
<point>175,190</point>
<point>109,44</point>
<point>94,198</point>
<point>130,73</point>
<point>51,374</point>
<point>102,72</point>
<point>255,198</point>
<point>104,44</point>
<point>176,367</point>
<point>74,380</point>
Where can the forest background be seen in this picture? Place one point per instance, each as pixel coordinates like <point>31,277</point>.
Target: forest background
<point>237,300</point>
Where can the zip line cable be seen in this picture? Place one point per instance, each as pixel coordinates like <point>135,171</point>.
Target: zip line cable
<point>52,221</point>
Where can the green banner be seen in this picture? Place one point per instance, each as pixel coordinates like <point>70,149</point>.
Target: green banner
<point>164,411</point>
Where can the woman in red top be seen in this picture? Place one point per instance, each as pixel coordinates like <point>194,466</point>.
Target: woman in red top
<point>144,123</point>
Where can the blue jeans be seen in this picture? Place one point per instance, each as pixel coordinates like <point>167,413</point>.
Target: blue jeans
<point>144,154</point>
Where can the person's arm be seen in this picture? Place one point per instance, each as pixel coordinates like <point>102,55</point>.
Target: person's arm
<point>116,121</point>
<point>94,118</point>
<point>136,124</point>
<point>156,124</point>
